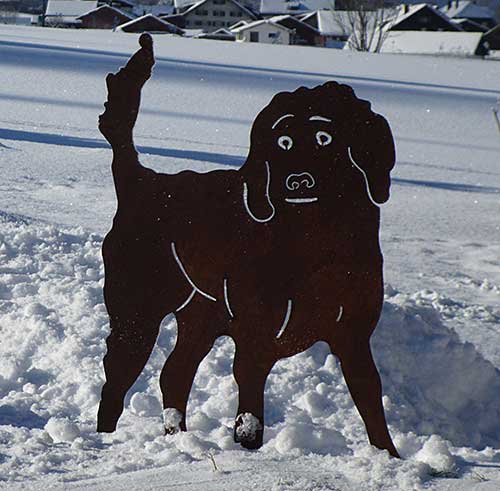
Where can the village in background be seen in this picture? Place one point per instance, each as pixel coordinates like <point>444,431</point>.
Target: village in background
<point>453,27</point>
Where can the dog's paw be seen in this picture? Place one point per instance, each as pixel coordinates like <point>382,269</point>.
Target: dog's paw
<point>172,420</point>
<point>248,431</point>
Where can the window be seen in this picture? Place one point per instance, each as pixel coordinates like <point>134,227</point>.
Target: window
<point>219,2</point>
<point>273,35</point>
<point>254,37</point>
<point>198,23</point>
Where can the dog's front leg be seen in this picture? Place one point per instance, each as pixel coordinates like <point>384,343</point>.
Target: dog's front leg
<point>250,372</point>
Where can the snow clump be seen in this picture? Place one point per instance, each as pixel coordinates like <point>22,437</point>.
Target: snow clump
<point>62,430</point>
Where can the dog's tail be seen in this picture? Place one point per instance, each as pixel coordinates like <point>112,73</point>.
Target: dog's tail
<point>122,107</point>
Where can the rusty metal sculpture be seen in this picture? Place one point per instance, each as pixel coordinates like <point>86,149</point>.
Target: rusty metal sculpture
<point>278,255</point>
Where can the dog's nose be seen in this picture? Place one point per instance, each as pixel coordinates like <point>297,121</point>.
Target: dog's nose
<point>295,182</point>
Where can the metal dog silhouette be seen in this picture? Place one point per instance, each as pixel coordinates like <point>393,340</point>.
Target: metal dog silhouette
<point>278,255</point>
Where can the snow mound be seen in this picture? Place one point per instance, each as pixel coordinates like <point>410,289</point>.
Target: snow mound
<point>54,324</point>
<point>435,383</point>
<point>436,453</point>
<point>301,437</point>
<point>62,430</point>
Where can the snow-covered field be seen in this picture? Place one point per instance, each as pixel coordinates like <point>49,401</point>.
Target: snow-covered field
<point>438,341</point>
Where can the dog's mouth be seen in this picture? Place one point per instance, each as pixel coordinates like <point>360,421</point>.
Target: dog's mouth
<point>302,183</point>
<point>300,201</point>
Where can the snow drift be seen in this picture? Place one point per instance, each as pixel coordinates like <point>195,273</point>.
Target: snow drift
<point>53,324</point>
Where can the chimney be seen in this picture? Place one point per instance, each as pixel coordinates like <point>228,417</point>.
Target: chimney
<point>406,9</point>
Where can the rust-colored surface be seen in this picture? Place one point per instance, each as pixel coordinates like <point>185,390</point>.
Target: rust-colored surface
<point>279,254</point>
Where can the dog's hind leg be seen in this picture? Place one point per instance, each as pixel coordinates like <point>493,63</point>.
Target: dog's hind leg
<point>250,371</point>
<point>129,345</point>
<point>195,338</point>
<point>363,381</point>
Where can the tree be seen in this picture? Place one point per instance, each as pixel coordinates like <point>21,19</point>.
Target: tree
<point>363,22</point>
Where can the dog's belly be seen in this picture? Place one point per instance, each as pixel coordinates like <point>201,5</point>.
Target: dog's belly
<point>290,313</point>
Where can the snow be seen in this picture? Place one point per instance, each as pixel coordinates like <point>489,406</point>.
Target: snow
<point>437,343</point>
<point>171,417</point>
<point>428,42</point>
<point>70,8</point>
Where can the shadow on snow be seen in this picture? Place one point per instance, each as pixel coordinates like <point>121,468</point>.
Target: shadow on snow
<point>74,141</point>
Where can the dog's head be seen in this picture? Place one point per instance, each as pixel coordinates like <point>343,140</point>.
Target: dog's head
<point>316,145</point>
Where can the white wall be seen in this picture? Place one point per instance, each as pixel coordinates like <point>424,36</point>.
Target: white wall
<point>268,34</point>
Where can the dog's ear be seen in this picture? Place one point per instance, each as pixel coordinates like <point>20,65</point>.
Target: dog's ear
<point>256,171</point>
<point>372,152</point>
<point>256,188</point>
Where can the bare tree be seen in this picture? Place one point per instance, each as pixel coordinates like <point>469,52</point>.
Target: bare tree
<point>363,23</point>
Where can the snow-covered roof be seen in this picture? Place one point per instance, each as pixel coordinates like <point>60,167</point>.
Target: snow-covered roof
<point>69,8</point>
<point>221,34</point>
<point>154,20</point>
<point>406,11</point>
<point>470,25</point>
<point>257,23</point>
<point>193,33</point>
<point>238,24</point>
<point>329,23</point>
<point>268,7</point>
<point>466,9</point>
<point>105,7</point>
<point>178,4</point>
<point>432,42</point>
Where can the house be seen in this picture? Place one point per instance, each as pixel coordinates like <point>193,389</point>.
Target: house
<point>270,8</point>
<point>151,24</point>
<point>263,31</point>
<point>333,27</point>
<point>64,13</point>
<point>103,17</point>
<point>422,29</point>
<point>435,43</point>
<point>466,9</point>
<point>421,17</point>
<point>302,34</point>
<point>181,6</point>
<point>210,15</point>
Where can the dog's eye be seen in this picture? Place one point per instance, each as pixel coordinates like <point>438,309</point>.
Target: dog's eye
<point>323,138</point>
<point>285,142</point>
